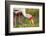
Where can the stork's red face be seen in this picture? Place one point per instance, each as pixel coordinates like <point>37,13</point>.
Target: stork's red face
<point>30,17</point>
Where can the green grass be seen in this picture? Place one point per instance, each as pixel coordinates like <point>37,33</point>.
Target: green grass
<point>27,24</point>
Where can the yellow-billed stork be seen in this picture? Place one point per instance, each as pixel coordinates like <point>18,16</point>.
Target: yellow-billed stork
<point>28,16</point>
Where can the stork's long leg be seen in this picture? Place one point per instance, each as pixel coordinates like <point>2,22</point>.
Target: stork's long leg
<point>15,20</point>
<point>20,19</point>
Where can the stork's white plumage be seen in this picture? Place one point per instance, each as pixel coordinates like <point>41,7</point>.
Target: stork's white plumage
<point>16,12</point>
<point>29,16</point>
